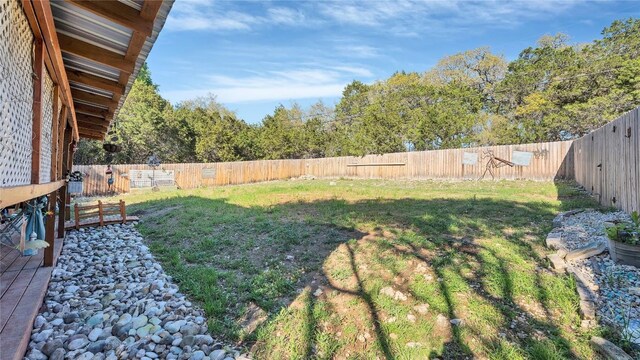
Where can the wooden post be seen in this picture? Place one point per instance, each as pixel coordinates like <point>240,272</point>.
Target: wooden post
<point>100,213</point>
<point>62,140</point>
<point>63,212</point>
<point>50,229</point>
<point>123,212</point>
<point>77,215</point>
<point>69,165</point>
<point>62,194</point>
<point>54,135</point>
<point>38,74</point>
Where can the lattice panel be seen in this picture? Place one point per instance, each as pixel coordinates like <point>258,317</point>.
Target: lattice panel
<point>16,95</point>
<point>46,135</point>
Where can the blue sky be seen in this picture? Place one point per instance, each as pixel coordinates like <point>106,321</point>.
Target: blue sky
<point>254,55</point>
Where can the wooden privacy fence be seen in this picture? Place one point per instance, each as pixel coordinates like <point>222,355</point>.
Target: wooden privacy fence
<point>607,162</point>
<point>546,161</point>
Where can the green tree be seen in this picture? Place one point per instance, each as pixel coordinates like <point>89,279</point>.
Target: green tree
<point>215,130</point>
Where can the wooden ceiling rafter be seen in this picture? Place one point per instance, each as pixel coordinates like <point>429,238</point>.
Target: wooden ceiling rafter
<point>92,119</point>
<point>92,127</point>
<point>86,102</point>
<point>148,12</point>
<point>91,110</point>
<point>95,81</point>
<point>83,49</point>
<point>93,134</point>
<point>91,98</point>
<point>118,13</point>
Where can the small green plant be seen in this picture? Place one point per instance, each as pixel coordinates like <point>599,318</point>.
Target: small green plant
<point>615,279</point>
<point>626,232</point>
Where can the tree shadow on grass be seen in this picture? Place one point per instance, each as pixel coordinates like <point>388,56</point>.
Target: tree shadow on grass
<point>485,257</point>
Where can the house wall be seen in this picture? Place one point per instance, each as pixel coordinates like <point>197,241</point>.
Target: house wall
<point>16,101</point>
<point>16,95</point>
<point>46,132</point>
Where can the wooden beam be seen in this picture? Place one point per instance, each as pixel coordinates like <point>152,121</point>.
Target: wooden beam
<point>91,110</point>
<point>118,13</point>
<point>17,194</point>
<point>89,119</point>
<point>42,24</point>
<point>91,98</point>
<point>50,229</point>
<point>69,165</point>
<point>93,127</point>
<point>115,100</point>
<point>91,134</point>
<point>38,84</point>
<point>148,12</point>
<point>62,126</point>
<point>150,9</point>
<point>91,137</point>
<point>95,53</point>
<point>62,195</point>
<point>54,134</point>
<point>95,81</point>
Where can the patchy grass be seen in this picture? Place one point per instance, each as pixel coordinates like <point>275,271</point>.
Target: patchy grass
<point>302,269</point>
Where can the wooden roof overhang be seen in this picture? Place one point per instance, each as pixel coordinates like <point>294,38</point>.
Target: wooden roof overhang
<point>98,48</point>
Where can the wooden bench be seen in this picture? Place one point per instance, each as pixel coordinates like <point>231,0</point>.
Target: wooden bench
<point>99,215</point>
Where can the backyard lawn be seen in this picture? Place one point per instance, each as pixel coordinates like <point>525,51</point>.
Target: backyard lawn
<point>372,269</point>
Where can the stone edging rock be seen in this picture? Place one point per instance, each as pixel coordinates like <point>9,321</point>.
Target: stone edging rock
<point>108,298</point>
<point>580,248</point>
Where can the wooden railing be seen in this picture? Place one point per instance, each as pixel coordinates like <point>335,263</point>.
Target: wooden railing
<point>100,214</point>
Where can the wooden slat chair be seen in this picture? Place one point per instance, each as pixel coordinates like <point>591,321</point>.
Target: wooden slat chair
<point>10,224</point>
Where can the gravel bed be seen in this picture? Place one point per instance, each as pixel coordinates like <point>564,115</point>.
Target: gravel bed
<point>110,299</point>
<point>618,294</point>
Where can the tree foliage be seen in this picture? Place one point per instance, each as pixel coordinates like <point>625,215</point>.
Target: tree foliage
<point>554,90</point>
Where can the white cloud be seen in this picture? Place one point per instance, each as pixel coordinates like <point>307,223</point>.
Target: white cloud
<point>286,16</point>
<point>414,17</point>
<point>205,15</point>
<point>359,71</point>
<point>276,85</point>
<point>400,18</point>
<point>358,51</point>
<point>216,16</point>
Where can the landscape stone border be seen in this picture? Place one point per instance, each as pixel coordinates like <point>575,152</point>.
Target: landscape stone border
<point>561,262</point>
<point>109,298</point>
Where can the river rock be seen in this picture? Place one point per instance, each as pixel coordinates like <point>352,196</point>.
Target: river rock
<point>108,298</point>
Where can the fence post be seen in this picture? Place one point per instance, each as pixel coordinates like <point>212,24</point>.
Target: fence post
<point>76,212</point>
<point>123,212</point>
<point>49,235</point>
<point>62,193</point>
<point>100,213</point>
